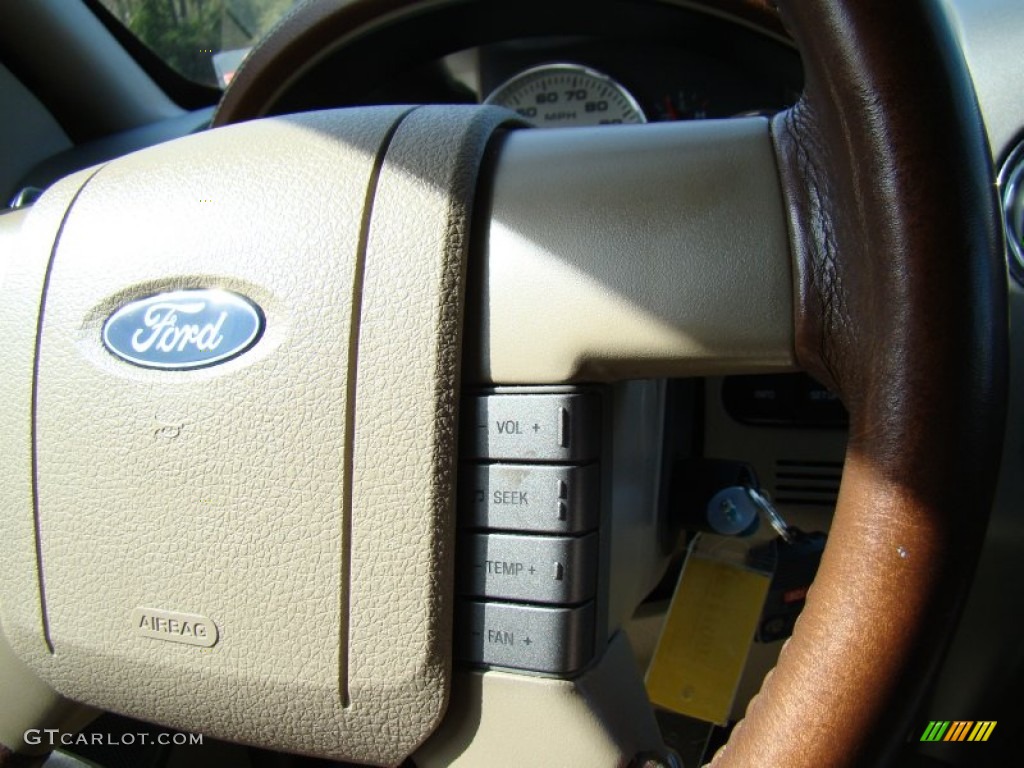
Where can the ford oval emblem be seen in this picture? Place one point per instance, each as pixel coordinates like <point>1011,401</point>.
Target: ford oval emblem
<point>183,329</point>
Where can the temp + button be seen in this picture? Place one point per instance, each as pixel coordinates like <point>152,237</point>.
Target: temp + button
<point>536,569</point>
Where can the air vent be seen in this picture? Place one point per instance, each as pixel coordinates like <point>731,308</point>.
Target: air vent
<point>807,483</point>
<point>1011,182</point>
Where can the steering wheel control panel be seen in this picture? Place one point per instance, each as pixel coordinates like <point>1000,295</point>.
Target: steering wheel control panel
<point>529,519</point>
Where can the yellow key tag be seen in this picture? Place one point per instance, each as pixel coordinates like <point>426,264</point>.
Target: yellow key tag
<point>708,631</point>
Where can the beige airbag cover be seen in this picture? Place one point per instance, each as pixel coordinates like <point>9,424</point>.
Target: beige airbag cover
<point>297,498</point>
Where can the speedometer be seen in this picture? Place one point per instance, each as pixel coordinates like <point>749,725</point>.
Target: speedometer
<point>556,95</point>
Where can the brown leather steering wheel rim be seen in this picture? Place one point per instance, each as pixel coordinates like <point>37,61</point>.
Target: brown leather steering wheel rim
<point>901,307</point>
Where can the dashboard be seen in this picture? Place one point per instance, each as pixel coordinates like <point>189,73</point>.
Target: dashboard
<point>639,62</point>
<point>671,62</point>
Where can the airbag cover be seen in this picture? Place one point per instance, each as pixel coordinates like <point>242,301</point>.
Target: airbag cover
<point>258,549</point>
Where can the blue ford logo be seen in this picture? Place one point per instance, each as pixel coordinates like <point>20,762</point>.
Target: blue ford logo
<point>183,329</point>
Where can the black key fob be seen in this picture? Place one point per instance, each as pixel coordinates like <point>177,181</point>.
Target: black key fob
<point>796,563</point>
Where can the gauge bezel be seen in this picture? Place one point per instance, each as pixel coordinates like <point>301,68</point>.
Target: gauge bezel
<point>560,68</point>
<point>1011,185</point>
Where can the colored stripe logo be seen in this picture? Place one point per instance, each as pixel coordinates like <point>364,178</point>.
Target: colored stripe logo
<point>958,730</point>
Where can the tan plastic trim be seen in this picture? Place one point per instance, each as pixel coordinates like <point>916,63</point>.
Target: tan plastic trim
<point>25,247</point>
<point>601,720</point>
<point>607,251</point>
<point>639,552</point>
<point>27,239</point>
<point>37,706</point>
<point>406,400</point>
<point>28,702</point>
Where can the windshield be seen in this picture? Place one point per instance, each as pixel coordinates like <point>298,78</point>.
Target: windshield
<point>204,40</point>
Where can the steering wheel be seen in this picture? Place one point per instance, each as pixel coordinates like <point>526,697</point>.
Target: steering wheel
<point>855,236</point>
